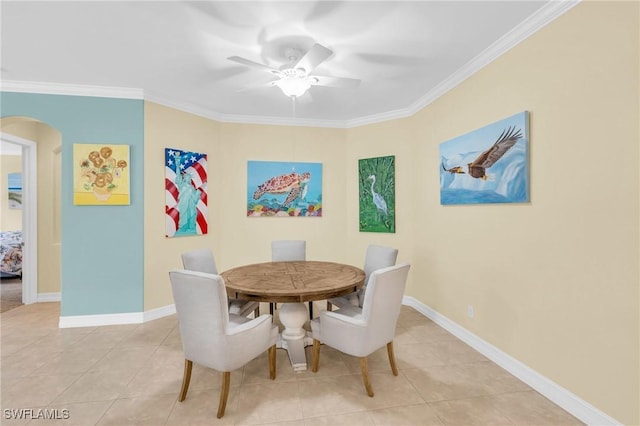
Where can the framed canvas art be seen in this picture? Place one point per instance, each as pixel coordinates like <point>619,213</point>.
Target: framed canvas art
<point>185,185</point>
<point>284,189</point>
<point>100,174</point>
<point>14,182</point>
<point>488,165</point>
<point>377,189</point>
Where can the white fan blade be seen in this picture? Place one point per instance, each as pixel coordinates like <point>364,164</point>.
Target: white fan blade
<point>253,64</point>
<point>341,82</point>
<point>314,57</point>
<point>392,60</point>
<point>256,86</point>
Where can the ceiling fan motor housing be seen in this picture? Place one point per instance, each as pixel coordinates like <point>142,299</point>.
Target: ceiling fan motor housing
<point>293,77</point>
<point>293,73</point>
<point>292,54</point>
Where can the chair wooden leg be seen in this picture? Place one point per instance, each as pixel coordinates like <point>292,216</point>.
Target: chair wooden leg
<point>272,362</point>
<point>271,308</point>
<point>329,306</point>
<point>224,393</point>
<point>256,312</point>
<point>392,358</point>
<point>316,355</point>
<point>310,310</point>
<point>365,375</point>
<point>186,378</point>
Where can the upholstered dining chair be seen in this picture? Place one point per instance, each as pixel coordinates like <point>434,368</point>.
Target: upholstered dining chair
<point>211,336</point>
<point>376,257</point>
<point>202,260</point>
<point>289,250</point>
<point>361,331</point>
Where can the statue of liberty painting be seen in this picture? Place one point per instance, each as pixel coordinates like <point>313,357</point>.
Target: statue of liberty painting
<point>187,202</point>
<point>185,193</point>
<point>188,198</point>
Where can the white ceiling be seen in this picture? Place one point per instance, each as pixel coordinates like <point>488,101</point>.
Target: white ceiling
<point>405,53</point>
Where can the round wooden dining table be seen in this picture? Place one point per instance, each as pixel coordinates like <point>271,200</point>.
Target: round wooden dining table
<point>292,283</point>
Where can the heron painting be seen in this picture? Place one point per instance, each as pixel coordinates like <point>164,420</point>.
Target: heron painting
<point>377,194</point>
<point>488,165</point>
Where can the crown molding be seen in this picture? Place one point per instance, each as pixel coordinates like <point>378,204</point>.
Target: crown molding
<point>531,25</point>
<point>542,17</point>
<point>150,96</point>
<point>242,119</point>
<point>379,118</point>
<point>284,121</point>
<point>70,89</point>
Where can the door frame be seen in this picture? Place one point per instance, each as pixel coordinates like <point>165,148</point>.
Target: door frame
<point>29,216</point>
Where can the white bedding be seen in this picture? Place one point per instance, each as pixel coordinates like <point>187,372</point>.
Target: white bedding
<point>11,252</point>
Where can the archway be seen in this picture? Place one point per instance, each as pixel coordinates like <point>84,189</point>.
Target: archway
<point>41,149</point>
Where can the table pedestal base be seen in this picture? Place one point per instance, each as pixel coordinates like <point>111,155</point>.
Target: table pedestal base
<point>294,337</point>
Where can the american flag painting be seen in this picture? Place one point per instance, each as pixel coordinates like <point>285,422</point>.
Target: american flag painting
<point>185,186</point>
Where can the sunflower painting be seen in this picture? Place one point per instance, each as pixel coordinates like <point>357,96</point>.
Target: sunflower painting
<point>377,189</point>
<point>100,174</point>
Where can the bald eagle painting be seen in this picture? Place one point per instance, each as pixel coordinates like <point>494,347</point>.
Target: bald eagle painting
<point>488,165</point>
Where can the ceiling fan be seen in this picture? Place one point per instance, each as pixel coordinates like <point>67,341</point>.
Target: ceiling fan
<point>294,77</point>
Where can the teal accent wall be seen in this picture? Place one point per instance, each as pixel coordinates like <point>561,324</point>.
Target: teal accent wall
<point>102,246</point>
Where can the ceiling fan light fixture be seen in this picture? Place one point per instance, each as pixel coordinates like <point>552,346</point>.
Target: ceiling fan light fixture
<point>293,77</point>
<point>293,86</point>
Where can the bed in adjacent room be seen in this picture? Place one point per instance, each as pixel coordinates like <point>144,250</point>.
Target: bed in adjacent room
<point>11,253</point>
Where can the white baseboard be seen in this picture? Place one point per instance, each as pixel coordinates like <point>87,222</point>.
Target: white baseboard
<point>115,319</point>
<point>48,297</point>
<point>157,313</point>
<point>571,403</point>
<point>99,320</point>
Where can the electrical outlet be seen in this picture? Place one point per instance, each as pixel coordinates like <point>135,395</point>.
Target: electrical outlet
<point>470,311</point>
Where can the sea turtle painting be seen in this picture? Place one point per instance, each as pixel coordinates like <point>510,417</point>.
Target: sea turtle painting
<point>293,183</point>
<point>284,189</point>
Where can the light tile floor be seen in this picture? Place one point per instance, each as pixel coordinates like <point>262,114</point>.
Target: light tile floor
<point>131,375</point>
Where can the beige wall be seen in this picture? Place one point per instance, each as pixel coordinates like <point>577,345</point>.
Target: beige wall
<point>389,138</point>
<point>234,238</point>
<point>11,218</point>
<point>554,282</point>
<point>247,239</point>
<point>168,128</point>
